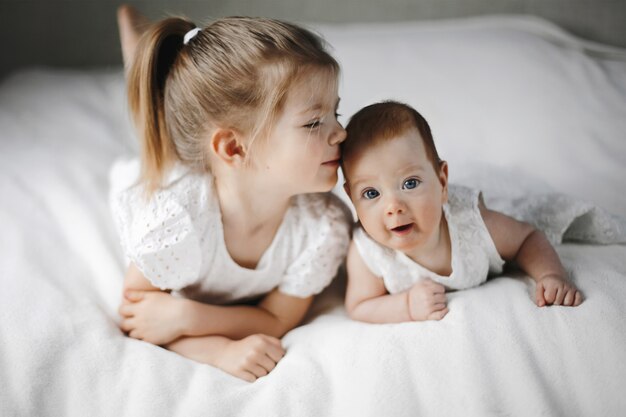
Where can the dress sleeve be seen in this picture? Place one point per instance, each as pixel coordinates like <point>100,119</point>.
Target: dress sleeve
<point>326,227</point>
<point>157,235</point>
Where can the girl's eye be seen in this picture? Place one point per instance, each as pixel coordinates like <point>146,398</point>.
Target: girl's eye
<point>370,194</point>
<point>313,125</point>
<point>411,183</point>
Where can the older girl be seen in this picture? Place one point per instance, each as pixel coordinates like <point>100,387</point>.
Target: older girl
<point>228,208</point>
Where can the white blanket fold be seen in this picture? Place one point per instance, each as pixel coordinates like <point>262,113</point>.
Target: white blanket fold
<point>563,218</point>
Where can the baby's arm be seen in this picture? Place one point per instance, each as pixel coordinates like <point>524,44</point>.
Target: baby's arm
<point>367,299</point>
<point>532,252</point>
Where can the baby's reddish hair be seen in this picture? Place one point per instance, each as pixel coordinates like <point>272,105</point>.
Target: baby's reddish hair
<point>384,121</point>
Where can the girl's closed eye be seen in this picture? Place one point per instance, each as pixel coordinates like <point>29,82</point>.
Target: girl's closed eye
<point>411,183</point>
<point>313,124</point>
<point>370,194</point>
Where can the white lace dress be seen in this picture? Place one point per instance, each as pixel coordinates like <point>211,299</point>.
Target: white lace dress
<point>176,239</point>
<point>474,255</point>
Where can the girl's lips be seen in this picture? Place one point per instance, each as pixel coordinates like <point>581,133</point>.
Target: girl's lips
<point>332,163</point>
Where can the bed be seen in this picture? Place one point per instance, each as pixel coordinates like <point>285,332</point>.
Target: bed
<point>530,114</point>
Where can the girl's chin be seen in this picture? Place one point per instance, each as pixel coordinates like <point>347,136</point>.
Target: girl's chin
<point>327,184</point>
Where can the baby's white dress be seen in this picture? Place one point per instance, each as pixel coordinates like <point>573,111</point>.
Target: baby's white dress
<point>176,239</point>
<point>474,255</point>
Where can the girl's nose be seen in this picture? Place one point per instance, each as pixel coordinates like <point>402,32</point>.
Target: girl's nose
<point>337,136</point>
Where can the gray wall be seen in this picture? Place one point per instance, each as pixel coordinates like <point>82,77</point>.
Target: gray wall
<point>83,33</point>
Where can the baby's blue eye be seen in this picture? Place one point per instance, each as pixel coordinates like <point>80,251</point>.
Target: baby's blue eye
<point>410,183</point>
<point>370,194</point>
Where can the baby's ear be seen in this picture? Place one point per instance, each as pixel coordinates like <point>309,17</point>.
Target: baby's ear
<point>228,146</point>
<point>443,180</point>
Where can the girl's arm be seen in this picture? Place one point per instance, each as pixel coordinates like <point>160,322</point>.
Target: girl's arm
<point>367,299</point>
<point>248,359</point>
<point>159,318</point>
<point>526,246</point>
<point>135,280</point>
<point>275,315</point>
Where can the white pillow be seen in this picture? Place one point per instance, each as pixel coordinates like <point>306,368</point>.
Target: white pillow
<point>513,98</point>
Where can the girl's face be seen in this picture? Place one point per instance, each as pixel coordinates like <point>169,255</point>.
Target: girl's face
<point>397,193</point>
<point>301,154</point>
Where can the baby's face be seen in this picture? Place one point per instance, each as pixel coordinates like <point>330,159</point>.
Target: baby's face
<point>397,193</point>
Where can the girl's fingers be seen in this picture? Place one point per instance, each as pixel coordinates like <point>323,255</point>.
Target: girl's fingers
<point>267,363</point>
<point>257,370</point>
<point>133,295</point>
<point>126,310</point>
<point>275,353</point>
<point>246,376</point>
<point>272,340</point>
<point>539,295</point>
<point>127,325</point>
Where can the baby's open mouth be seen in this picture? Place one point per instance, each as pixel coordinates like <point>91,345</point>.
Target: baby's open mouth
<point>403,228</point>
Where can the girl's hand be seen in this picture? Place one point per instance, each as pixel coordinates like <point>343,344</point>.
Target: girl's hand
<point>427,301</point>
<point>555,290</point>
<point>252,357</point>
<point>152,316</point>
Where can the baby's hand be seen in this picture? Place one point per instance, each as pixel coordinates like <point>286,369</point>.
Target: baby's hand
<point>252,357</point>
<point>555,290</point>
<point>152,316</point>
<point>427,301</point>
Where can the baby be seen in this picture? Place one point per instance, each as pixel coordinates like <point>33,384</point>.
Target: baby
<point>419,236</point>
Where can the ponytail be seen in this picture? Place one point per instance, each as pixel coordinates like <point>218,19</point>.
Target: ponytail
<point>156,55</point>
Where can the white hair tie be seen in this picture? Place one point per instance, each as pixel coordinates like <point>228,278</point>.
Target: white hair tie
<point>190,35</point>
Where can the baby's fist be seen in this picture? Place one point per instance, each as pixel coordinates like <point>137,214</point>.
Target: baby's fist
<point>555,290</point>
<point>427,301</point>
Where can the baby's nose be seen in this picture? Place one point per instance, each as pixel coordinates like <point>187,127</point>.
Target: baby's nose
<point>395,206</point>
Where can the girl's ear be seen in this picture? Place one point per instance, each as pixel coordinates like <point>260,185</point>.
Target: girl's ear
<point>443,180</point>
<point>228,146</point>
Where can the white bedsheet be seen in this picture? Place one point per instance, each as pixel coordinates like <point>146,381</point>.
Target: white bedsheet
<point>61,353</point>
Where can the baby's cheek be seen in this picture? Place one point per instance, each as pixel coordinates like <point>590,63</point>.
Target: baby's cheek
<point>431,215</point>
<point>368,220</point>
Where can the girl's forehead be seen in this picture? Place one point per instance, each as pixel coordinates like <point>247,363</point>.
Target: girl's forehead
<point>313,90</point>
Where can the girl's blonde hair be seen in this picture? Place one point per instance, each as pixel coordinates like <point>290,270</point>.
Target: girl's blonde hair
<point>233,74</point>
